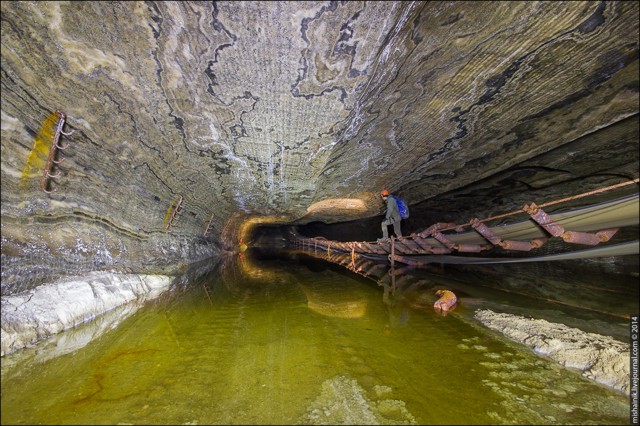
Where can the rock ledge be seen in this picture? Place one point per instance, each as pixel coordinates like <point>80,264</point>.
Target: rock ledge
<point>49,309</point>
<point>600,358</point>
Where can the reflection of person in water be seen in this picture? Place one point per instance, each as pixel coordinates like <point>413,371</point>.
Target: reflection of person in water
<point>397,309</point>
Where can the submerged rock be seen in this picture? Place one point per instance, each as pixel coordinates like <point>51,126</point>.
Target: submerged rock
<point>600,358</point>
<point>344,401</point>
<point>49,309</point>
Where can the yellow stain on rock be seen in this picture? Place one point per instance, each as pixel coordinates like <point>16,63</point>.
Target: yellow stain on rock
<point>166,216</point>
<point>40,151</point>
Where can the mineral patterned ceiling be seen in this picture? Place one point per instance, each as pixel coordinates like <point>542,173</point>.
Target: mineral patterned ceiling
<point>290,112</point>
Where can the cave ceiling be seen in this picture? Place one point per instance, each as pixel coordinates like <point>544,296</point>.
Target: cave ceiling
<point>293,112</point>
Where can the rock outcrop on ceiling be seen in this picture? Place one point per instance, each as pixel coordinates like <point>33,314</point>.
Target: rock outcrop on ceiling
<point>289,112</point>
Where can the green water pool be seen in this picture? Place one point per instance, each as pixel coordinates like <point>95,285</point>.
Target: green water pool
<point>276,342</point>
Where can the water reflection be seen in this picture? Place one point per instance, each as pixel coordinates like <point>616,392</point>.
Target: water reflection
<point>293,340</point>
<point>596,297</point>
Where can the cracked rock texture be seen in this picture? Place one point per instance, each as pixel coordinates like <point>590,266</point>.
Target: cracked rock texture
<point>297,112</point>
<point>600,358</point>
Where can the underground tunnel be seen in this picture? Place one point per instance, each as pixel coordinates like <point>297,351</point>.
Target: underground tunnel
<point>191,219</point>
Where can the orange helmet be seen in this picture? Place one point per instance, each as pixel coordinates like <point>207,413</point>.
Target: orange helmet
<point>384,192</point>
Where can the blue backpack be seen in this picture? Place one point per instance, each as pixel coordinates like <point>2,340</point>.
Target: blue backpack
<point>402,206</point>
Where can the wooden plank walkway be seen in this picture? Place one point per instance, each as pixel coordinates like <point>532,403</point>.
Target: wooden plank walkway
<point>589,226</point>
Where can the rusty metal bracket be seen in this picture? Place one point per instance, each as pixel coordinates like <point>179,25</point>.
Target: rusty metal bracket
<point>495,239</point>
<point>444,240</point>
<point>584,238</point>
<point>544,220</point>
<point>471,248</point>
<point>483,230</point>
<point>587,238</point>
<point>437,227</point>
<point>516,245</point>
<point>175,209</point>
<point>55,147</point>
<point>440,250</point>
<point>606,234</point>
<point>574,237</point>
<point>206,230</point>
<point>424,246</point>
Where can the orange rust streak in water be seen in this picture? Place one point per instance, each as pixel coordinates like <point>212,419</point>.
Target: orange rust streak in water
<point>100,376</point>
<point>98,379</point>
<point>40,151</point>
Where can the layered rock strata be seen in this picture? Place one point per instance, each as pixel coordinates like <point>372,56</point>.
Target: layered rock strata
<point>295,112</point>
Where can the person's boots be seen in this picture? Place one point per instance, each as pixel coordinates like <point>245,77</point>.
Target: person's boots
<point>385,237</point>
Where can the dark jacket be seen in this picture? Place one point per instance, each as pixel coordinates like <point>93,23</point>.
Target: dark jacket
<point>393,213</point>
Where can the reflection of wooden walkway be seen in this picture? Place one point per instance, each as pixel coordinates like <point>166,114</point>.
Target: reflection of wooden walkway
<point>589,226</point>
<point>405,283</point>
<point>377,270</point>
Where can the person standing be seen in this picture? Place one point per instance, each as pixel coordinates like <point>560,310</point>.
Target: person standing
<point>391,217</point>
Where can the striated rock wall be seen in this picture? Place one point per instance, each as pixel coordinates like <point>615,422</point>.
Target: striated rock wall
<point>291,111</point>
<point>36,251</point>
